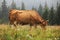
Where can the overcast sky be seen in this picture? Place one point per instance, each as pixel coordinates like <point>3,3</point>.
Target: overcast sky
<point>35,3</point>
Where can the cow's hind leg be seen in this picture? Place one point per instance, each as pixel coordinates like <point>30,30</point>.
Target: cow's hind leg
<point>12,23</point>
<point>15,23</point>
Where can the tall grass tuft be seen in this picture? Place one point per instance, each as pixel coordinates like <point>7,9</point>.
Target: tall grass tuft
<point>23,33</point>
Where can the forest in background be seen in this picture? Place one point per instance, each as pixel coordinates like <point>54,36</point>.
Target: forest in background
<point>50,14</point>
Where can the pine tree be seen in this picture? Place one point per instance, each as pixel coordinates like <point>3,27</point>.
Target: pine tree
<point>33,8</point>
<point>46,12</point>
<point>22,6</point>
<point>58,15</point>
<point>18,8</point>
<point>51,16</point>
<point>13,5</point>
<point>0,13</point>
<point>4,11</point>
<point>40,10</point>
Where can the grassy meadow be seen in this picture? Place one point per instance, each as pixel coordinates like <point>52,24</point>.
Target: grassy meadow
<point>24,33</point>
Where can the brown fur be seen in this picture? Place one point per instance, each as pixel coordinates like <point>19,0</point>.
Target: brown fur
<point>26,17</point>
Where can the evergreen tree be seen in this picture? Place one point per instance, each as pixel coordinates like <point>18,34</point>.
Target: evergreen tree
<point>4,11</point>
<point>51,16</point>
<point>0,13</point>
<point>40,10</point>
<point>22,6</point>
<point>18,8</point>
<point>13,5</point>
<point>46,12</point>
<point>34,9</point>
<point>58,15</point>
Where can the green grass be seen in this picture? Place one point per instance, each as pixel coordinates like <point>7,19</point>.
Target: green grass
<point>24,33</point>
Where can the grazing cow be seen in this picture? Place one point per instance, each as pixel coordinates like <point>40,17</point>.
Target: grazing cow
<point>26,17</point>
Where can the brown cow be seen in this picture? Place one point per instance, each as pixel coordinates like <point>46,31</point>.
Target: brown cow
<point>26,17</point>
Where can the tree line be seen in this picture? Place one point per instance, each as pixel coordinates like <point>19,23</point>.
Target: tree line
<point>50,14</point>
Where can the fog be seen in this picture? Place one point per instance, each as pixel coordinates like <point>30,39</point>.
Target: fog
<point>35,3</point>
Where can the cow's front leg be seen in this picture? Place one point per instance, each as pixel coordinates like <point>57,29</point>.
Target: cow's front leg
<point>43,27</point>
<point>35,25</point>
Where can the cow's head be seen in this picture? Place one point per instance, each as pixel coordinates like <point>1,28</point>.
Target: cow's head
<point>43,24</point>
